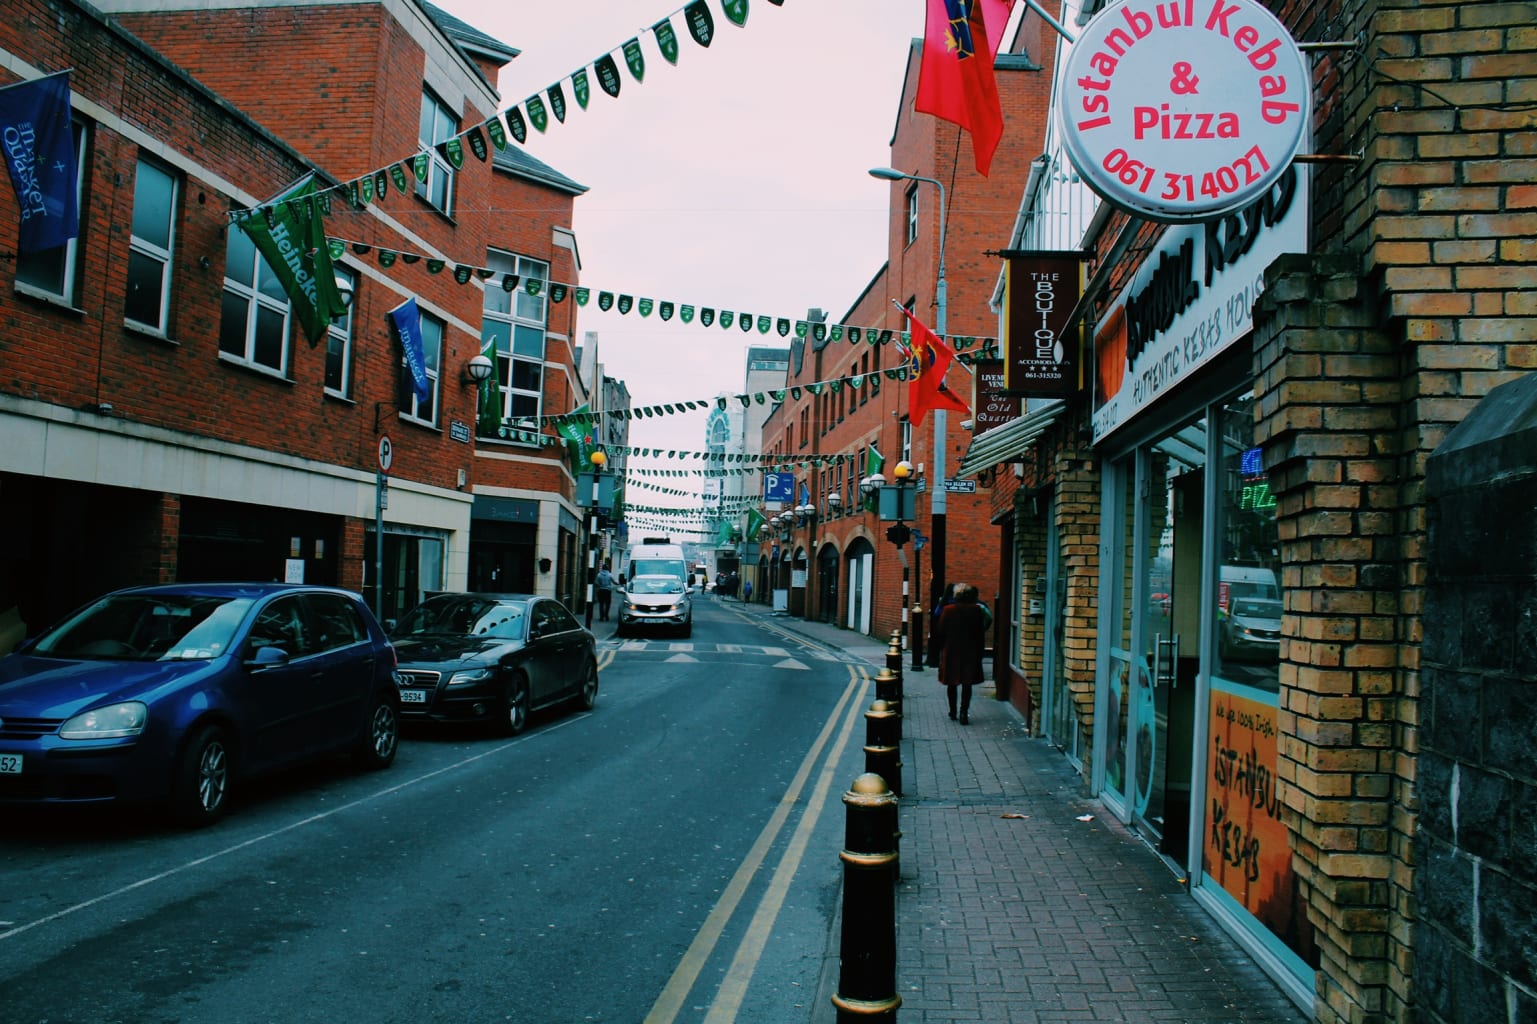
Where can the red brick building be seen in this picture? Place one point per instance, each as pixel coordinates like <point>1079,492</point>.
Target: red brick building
<point>170,419</point>
<point>844,398</point>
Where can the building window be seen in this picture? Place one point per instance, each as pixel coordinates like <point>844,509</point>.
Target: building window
<point>339,344</point>
<point>150,249</point>
<point>907,441</point>
<point>253,326</point>
<point>56,272</point>
<point>912,214</point>
<point>515,322</point>
<point>412,407</point>
<point>438,125</point>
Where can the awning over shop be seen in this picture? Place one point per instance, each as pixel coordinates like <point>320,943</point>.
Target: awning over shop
<point>1010,442</point>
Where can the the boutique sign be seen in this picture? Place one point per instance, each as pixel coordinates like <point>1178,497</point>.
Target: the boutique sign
<point>1183,110</point>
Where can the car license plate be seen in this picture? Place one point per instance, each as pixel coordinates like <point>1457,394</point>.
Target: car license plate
<point>413,696</point>
<point>10,764</point>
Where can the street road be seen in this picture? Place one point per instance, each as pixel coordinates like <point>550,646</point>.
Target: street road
<point>669,856</point>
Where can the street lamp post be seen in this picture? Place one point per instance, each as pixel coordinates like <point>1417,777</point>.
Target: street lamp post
<point>938,475</point>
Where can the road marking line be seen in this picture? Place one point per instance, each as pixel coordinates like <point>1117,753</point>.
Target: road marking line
<point>670,1003</point>
<point>733,990</point>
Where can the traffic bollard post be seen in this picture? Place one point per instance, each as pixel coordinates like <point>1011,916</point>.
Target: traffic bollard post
<point>867,970</point>
<point>883,753</point>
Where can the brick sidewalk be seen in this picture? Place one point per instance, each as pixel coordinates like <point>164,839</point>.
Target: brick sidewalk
<point>1037,917</point>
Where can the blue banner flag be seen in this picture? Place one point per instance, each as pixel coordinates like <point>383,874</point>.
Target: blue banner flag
<point>408,326</point>
<point>40,154</point>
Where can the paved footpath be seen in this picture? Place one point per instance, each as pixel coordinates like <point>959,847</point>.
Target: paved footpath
<point>1011,908</point>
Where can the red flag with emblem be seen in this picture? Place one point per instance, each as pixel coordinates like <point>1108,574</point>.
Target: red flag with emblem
<point>928,360</point>
<point>955,78</point>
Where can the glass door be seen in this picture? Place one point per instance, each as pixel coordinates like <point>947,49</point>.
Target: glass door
<point>1168,596</point>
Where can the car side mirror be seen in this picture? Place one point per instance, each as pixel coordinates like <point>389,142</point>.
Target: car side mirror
<point>266,657</point>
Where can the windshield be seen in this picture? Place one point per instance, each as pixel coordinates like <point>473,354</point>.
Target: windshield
<point>463,615</point>
<point>673,567</point>
<point>147,627</point>
<point>656,585</point>
<point>1253,609</point>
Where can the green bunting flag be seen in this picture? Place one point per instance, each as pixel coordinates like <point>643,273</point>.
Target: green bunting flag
<point>605,301</point>
<point>398,176</point>
<point>453,151</point>
<point>366,189</point>
<point>582,295</point>
<point>701,24</point>
<point>735,10</point>
<point>510,282</point>
<point>532,286</point>
<point>707,316</point>
<point>745,321</point>
<point>420,164</point>
<point>557,97</point>
<point>536,114</point>
<point>726,318</point>
<point>836,332</point>
<point>557,293</point>
<point>608,75</point>
<point>645,307</point>
<point>488,414</point>
<point>764,323</point>
<point>435,266</point>
<point>477,143</point>
<point>795,393</point>
<point>664,310</point>
<point>800,329</point>
<point>381,183</point>
<point>517,125</point>
<point>581,88</point>
<point>635,59</point>
<point>463,273</point>
<point>626,302</point>
<point>666,40</point>
<point>296,249</point>
<point>686,313</point>
<point>386,258</point>
<point>496,131</point>
<point>854,335</point>
<point>759,398</point>
<point>818,332</point>
<point>484,273</point>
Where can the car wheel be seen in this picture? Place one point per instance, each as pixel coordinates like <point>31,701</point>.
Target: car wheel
<point>514,712</point>
<point>200,789</point>
<point>587,696</point>
<point>376,748</point>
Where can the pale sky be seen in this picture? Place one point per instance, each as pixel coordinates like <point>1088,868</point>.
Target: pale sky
<point>736,179</point>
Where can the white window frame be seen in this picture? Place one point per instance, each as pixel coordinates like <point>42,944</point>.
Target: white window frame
<point>62,262</point>
<point>522,310</point>
<point>433,331</point>
<point>912,213</point>
<point>264,294</point>
<point>339,335</point>
<point>438,124</point>
<point>153,251</point>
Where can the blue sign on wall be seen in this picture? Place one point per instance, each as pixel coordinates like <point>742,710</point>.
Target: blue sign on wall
<point>779,487</point>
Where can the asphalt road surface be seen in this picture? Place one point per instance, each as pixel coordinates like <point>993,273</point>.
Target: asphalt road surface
<point>669,856</point>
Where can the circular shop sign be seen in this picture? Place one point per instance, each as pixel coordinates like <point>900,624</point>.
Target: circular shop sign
<point>1183,110</point>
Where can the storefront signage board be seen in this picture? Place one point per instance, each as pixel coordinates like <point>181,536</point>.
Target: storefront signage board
<point>1179,110</point>
<point>1191,298</point>
<point>993,407</point>
<point>1041,345</point>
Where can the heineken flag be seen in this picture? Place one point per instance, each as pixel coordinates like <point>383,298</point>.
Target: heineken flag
<point>735,10</point>
<point>489,410</point>
<point>292,239</point>
<point>666,40</point>
<point>576,428</point>
<point>40,154</point>
<point>407,321</point>
<point>608,75</point>
<point>723,535</point>
<point>536,115</point>
<point>581,88</point>
<point>477,143</point>
<point>635,59</point>
<point>701,25</point>
<point>557,97</point>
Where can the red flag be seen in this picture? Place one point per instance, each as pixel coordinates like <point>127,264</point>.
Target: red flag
<point>928,360</point>
<point>955,78</point>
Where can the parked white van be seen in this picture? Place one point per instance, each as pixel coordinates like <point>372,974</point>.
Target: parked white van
<point>654,592</point>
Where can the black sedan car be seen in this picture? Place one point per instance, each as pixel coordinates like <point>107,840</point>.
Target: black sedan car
<point>173,694</point>
<point>492,658</point>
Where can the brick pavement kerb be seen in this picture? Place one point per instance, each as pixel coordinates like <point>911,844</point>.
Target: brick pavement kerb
<point>1021,899</point>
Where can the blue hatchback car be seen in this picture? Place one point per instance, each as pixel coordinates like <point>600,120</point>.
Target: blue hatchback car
<point>171,694</point>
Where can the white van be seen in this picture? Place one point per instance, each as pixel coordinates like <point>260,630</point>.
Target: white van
<point>1245,581</point>
<point>655,589</point>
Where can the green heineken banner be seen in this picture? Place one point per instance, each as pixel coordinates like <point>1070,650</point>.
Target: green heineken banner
<point>735,11</point>
<point>701,24</point>
<point>635,59</point>
<point>581,88</point>
<point>291,235</point>
<point>557,97</point>
<point>608,75</point>
<point>666,40</point>
<point>536,115</point>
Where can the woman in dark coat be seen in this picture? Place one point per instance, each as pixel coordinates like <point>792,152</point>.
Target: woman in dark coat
<point>962,637</point>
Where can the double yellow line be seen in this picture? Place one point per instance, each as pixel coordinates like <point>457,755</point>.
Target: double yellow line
<point>728,1001</point>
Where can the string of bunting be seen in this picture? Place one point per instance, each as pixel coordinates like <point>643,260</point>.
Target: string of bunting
<point>537,109</point>
<point>665,309</point>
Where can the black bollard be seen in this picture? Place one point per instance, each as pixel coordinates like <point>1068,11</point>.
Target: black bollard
<point>894,662</point>
<point>917,638</point>
<point>867,972</point>
<point>886,689</point>
<point>883,754</point>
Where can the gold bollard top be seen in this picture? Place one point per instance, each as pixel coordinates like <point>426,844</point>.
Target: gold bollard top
<point>880,707</point>
<point>885,675</point>
<point>869,784</point>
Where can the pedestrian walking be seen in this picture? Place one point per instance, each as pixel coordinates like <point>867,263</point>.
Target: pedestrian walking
<point>947,598</point>
<point>746,591</point>
<point>960,636</point>
<point>605,583</point>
